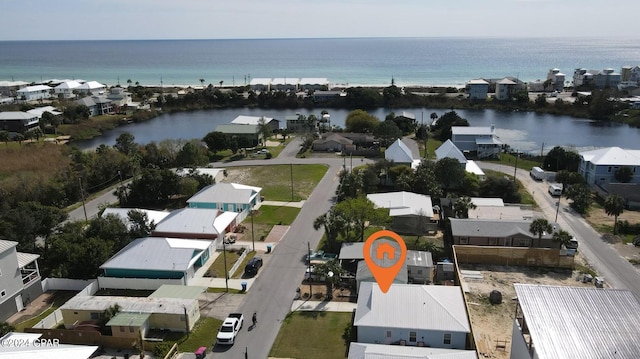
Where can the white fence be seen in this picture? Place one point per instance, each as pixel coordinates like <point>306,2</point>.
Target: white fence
<point>136,283</point>
<point>50,321</point>
<point>90,287</point>
<point>240,259</point>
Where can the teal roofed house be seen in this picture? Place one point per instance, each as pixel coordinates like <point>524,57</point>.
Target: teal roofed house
<point>229,197</point>
<point>165,260</point>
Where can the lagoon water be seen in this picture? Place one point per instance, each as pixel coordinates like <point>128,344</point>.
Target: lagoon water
<point>525,131</point>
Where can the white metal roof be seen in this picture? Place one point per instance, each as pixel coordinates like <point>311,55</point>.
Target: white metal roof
<point>381,351</point>
<point>478,82</point>
<point>31,348</point>
<point>69,85</point>
<point>26,258</point>
<point>17,116</point>
<point>472,130</point>
<point>351,250</point>
<point>38,111</point>
<point>448,149</point>
<point>496,212</point>
<point>482,201</point>
<point>612,156</point>
<point>419,259</point>
<point>6,245</point>
<point>223,220</point>
<point>506,81</point>
<point>472,167</point>
<point>91,85</point>
<point>403,203</point>
<point>35,88</point>
<point>398,152</point>
<point>260,81</point>
<point>155,253</point>
<point>123,214</point>
<point>12,83</point>
<point>190,220</point>
<point>314,81</point>
<point>580,322</point>
<point>411,306</point>
<point>250,120</point>
<point>285,81</point>
<point>226,193</point>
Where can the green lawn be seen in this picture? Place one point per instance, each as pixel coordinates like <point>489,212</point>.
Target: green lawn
<point>432,145</point>
<point>202,335</point>
<point>216,270</point>
<point>275,215</point>
<point>311,335</point>
<point>508,159</point>
<point>276,180</point>
<point>238,274</point>
<point>59,298</point>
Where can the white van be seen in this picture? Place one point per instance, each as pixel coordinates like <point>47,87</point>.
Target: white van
<point>555,190</point>
<point>537,173</point>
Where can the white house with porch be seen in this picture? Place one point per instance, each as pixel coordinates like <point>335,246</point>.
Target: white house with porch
<point>482,141</point>
<point>19,279</point>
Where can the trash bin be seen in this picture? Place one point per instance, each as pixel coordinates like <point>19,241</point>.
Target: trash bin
<point>244,286</point>
<point>268,248</point>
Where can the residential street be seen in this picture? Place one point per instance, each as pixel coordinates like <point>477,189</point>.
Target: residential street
<point>606,261</point>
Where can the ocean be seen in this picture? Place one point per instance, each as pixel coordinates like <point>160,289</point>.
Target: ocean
<point>344,61</point>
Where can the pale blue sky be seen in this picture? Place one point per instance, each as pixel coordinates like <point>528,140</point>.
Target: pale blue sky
<point>231,19</point>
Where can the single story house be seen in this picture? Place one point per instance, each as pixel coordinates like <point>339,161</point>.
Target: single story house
<point>154,217</point>
<point>250,133</point>
<point>449,150</point>
<point>599,167</point>
<point>411,213</point>
<point>361,139</point>
<point>413,315</point>
<point>196,223</point>
<point>255,120</point>
<point>575,322</point>
<point>481,141</point>
<point>515,212</point>
<point>18,121</point>
<point>39,111</point>
<point>334,142</point>
<point>216,173</point>
<point>478,89</point>
<point>31,345</point>
<point>32,93</point>
<point>163,313</point>
<point>156,258</point>
<point>506,233</point>
<point>399,152</point>
<point>230,197</point>
<point>20,280</point>
<point>381,351</point>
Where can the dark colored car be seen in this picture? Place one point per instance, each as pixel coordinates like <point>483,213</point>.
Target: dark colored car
<point>252,266</point>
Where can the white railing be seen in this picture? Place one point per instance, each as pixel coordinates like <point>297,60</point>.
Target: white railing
<point>240,259</point>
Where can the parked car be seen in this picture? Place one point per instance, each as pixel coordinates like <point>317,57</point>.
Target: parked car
<point>229,329</point>
<point>573,244</point>
<point>252,266</point>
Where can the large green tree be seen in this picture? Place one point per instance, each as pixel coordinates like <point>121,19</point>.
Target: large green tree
<point>387,132</point>
<point>580,196</point>
<point>449,173</point>
<point>333,226</point>
<point>614,206</point>
<point>216,141</point>
<point>461,207</point>
<point>361,121</point>
<point>360,213</point>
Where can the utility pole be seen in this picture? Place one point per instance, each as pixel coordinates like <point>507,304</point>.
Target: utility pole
<point>253,241</point>
<point>84,208</point>
<point>557,210</point>
<point>515,167</point>
<point>309,268</point>
<point>226,273</point>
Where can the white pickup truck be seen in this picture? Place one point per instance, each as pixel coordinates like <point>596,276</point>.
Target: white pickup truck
<point>229,329</point>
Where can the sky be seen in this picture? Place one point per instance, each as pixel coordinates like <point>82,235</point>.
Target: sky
<point>255,19</point>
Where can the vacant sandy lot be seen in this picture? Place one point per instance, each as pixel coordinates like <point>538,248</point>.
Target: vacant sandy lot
<point>599,219</point>
<point>494,323</point>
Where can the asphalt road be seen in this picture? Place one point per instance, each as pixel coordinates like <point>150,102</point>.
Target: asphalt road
<point>602,257</point>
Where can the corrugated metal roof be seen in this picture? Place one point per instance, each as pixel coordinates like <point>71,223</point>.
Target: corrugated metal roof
<point>226,193</point>
<point>6,245</point>
<point>612,156</point>
<point>162,254</point>
<point>448,149</point>
<point>237,128</point>
<point>398,152</point>
<point>17,116</point>
<point>128,319</point>
<point>250,120</point>
<point>581,323</point>
<point>190,220</point>
<point>413,307</point>
<point>403,203</point>
<point>381,351</point>
<point>123,214</point>
<point>419,259</point>
<point>363,274</point>
<point>26,258</point>
<point>472,130</point>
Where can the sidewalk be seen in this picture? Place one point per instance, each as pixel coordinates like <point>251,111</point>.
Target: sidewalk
<point>326,306</point>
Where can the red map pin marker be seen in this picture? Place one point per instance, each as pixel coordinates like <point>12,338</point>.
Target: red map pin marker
<point>384,259</point>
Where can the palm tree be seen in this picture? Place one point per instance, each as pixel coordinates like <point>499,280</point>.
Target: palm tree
<point>562,237</point>
<point>331,271</point>
<point>333,225</point>
<point>539,227</point>
<point>462,206</point>
<point>129,82</point>
<point>202,82</point>
<point>614,206</point>
<point>221,82</point>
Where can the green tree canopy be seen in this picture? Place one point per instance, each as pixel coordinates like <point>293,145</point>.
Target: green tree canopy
<point>580,196</point>
<point>361,121</point>
<point>449,173</point>
<point>360,213</point>
<point>539,227</point>
<point>387,132</point>
<point>614,206</point>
